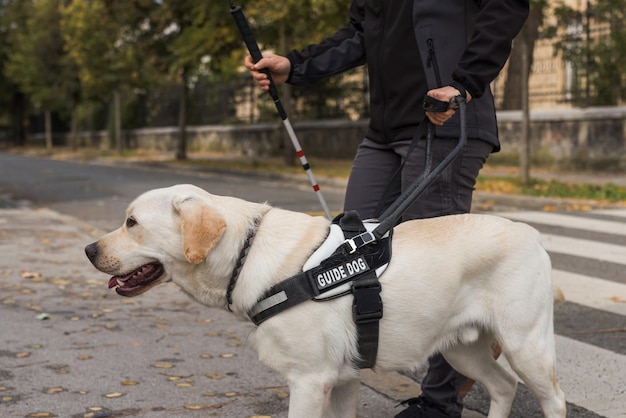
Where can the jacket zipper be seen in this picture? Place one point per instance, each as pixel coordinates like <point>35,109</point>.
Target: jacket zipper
<point>432,60</point>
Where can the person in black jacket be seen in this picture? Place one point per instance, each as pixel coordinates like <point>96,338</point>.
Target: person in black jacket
<point>414,48</point>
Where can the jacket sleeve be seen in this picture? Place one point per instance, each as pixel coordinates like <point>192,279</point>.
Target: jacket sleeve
<point>497,23</point>
<point>338,53</point>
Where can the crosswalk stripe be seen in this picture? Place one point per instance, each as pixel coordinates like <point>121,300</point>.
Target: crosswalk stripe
<point>621,213</point>
<point>591,377</point>
<point>585,248</point>
<point>591,291</point>
<point>570,221</point>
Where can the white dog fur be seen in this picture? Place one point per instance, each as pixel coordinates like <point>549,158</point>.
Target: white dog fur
<point>455,284</point>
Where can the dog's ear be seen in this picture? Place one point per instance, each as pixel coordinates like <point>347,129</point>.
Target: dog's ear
<point>201,228</point>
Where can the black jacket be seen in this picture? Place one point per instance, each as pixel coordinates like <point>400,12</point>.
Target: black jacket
<point>412,46</point>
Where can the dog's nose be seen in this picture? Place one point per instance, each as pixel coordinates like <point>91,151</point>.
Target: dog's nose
<point>92,251</point>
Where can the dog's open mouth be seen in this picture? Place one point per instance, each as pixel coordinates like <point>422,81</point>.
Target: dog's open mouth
<point>137,281</point>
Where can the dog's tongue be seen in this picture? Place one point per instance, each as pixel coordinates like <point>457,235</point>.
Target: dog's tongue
<point>143,274</point>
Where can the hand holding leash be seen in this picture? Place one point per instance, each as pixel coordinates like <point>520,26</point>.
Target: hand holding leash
<point>440,103</point>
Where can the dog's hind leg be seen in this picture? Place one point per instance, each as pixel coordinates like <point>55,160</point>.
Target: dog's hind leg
<point>535,363</point>
<point>476,361</point>
<point>343,399</point>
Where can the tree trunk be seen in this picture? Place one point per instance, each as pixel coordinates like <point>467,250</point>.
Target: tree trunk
<point>525,149</point>
<point>181,146</point>
<point>512,99</point>
<point>48,129</point>
<point>18,111</point>
<point>73,140</point>
<point>117,114</point>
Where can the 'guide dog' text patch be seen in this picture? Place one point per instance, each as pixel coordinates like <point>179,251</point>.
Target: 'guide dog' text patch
<point>341,273</point>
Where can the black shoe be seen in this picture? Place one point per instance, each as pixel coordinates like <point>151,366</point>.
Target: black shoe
<point>425,408</point>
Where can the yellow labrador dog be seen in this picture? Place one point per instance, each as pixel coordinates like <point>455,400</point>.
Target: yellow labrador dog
<point>454,285</point>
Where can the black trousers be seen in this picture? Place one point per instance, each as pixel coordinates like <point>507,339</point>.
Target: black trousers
<point>369,190</point>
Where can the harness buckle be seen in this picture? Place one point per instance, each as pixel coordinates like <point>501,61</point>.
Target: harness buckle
<point>358,241</point>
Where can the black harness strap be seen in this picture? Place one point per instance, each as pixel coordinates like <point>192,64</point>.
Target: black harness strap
<point>356,263</point>
<point>367,306</point>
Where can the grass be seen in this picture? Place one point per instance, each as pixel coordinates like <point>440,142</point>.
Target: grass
<point>608,192</point>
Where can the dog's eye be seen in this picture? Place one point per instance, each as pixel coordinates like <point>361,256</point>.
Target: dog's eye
<point>130,222</point>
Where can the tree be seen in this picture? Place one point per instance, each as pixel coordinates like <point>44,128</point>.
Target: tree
<point>107,41</point>
<point>13,14</point>
<point>293,24</point>
<point>593,43</point>
<point>197,38</point>
<point>39,64</point>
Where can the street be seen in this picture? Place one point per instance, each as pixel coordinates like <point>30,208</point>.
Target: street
<point>71,348</point>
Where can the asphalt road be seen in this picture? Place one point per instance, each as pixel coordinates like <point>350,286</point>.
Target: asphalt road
<point>132,349</point>
<point>98,194</point>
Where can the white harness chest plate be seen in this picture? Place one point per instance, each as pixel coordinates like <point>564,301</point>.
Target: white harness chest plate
<point>333,241</point>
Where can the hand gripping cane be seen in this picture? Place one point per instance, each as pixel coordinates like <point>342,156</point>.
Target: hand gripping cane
<point>255,52</point>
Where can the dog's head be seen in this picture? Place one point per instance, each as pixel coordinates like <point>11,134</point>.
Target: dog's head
<point>164,229</point>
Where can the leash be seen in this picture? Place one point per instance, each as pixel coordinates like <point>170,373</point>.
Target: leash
<point>255,52</point>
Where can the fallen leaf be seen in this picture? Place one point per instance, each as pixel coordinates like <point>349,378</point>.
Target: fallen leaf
<point>215,376</point>
<point>184,385</point>
<point>129,382</point>
<point>84,357</point>
<point>282,395</point>
<point>113,395</point>
<point>53,391</point>
<point>22,355</point>
<point>206,356</point>
<point>230,394</point>
<point>228,355</point>
<point>30,275</point>
<point>163,365</point>
<point>195,407</point>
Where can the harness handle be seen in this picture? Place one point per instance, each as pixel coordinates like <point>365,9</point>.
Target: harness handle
<point>390,216</point>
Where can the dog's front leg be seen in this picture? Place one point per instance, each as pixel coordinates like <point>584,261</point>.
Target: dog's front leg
<point>344,399</point>
<point>309,397</point>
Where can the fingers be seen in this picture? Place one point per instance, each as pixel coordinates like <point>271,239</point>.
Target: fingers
<point>259,77</point>
<point>445,94</point>
<point>439,118</point>
<point>277,65</point>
